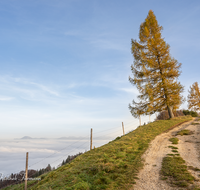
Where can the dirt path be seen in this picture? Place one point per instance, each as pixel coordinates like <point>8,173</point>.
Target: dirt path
<point>188,147</point>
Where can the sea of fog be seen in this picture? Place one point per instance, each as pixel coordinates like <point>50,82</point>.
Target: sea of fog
<point>42,151</point>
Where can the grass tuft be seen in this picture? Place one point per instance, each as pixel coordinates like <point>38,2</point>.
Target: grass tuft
<point>175,170</point>
<point>195,123</point>
<point>173,147</point>
<point>174,150</point>
<point>185,132</point>
<point>193,168</point>
<point>174,140</point>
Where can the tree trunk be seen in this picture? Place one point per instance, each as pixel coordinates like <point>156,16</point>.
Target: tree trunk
<point>171,115</point>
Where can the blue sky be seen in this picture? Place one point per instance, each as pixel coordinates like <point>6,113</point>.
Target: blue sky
<point>65,64</point>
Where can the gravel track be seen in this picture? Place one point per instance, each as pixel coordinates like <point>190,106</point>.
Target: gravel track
<point>188,148</point>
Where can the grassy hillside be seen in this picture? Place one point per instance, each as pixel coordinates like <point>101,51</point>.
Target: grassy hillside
<point>112,166</point>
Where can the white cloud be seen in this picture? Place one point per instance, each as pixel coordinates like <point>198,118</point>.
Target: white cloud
<point>25,88</point>
<point>40,86</point>
<point>45,88</point>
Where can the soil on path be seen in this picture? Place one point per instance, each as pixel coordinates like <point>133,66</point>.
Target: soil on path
<point>188,148</point>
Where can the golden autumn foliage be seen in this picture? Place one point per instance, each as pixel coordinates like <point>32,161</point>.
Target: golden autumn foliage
<point>194,97</point>
<point>155,72</point>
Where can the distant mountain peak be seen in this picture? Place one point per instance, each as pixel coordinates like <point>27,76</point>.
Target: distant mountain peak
<point>26,137</point>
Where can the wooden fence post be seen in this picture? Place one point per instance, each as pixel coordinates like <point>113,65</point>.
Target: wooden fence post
<point>91,140</point>
<point>123,128</point>
<point>26,175</point>
<point>140,119</point>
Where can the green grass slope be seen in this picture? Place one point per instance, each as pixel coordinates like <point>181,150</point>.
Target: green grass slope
<point>112,166</point>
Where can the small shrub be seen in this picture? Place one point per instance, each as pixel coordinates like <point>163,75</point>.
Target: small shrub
<point>192,113</point>
<point>186,112</point>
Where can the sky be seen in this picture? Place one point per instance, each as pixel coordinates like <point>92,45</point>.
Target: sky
<point>65,64</point>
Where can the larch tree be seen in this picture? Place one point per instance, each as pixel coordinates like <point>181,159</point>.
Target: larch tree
<point>155,72</point>
<point>194,97</point>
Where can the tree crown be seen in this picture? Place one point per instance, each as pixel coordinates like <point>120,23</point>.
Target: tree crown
<point>155,71</point>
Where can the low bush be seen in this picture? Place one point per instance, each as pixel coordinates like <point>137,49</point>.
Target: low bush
<point>163,115</point>
<point>192,113</point>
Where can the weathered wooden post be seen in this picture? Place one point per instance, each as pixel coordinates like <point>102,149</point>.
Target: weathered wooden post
<point>123,128</point>
<point>91,140</point>
<point>26,175</point>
